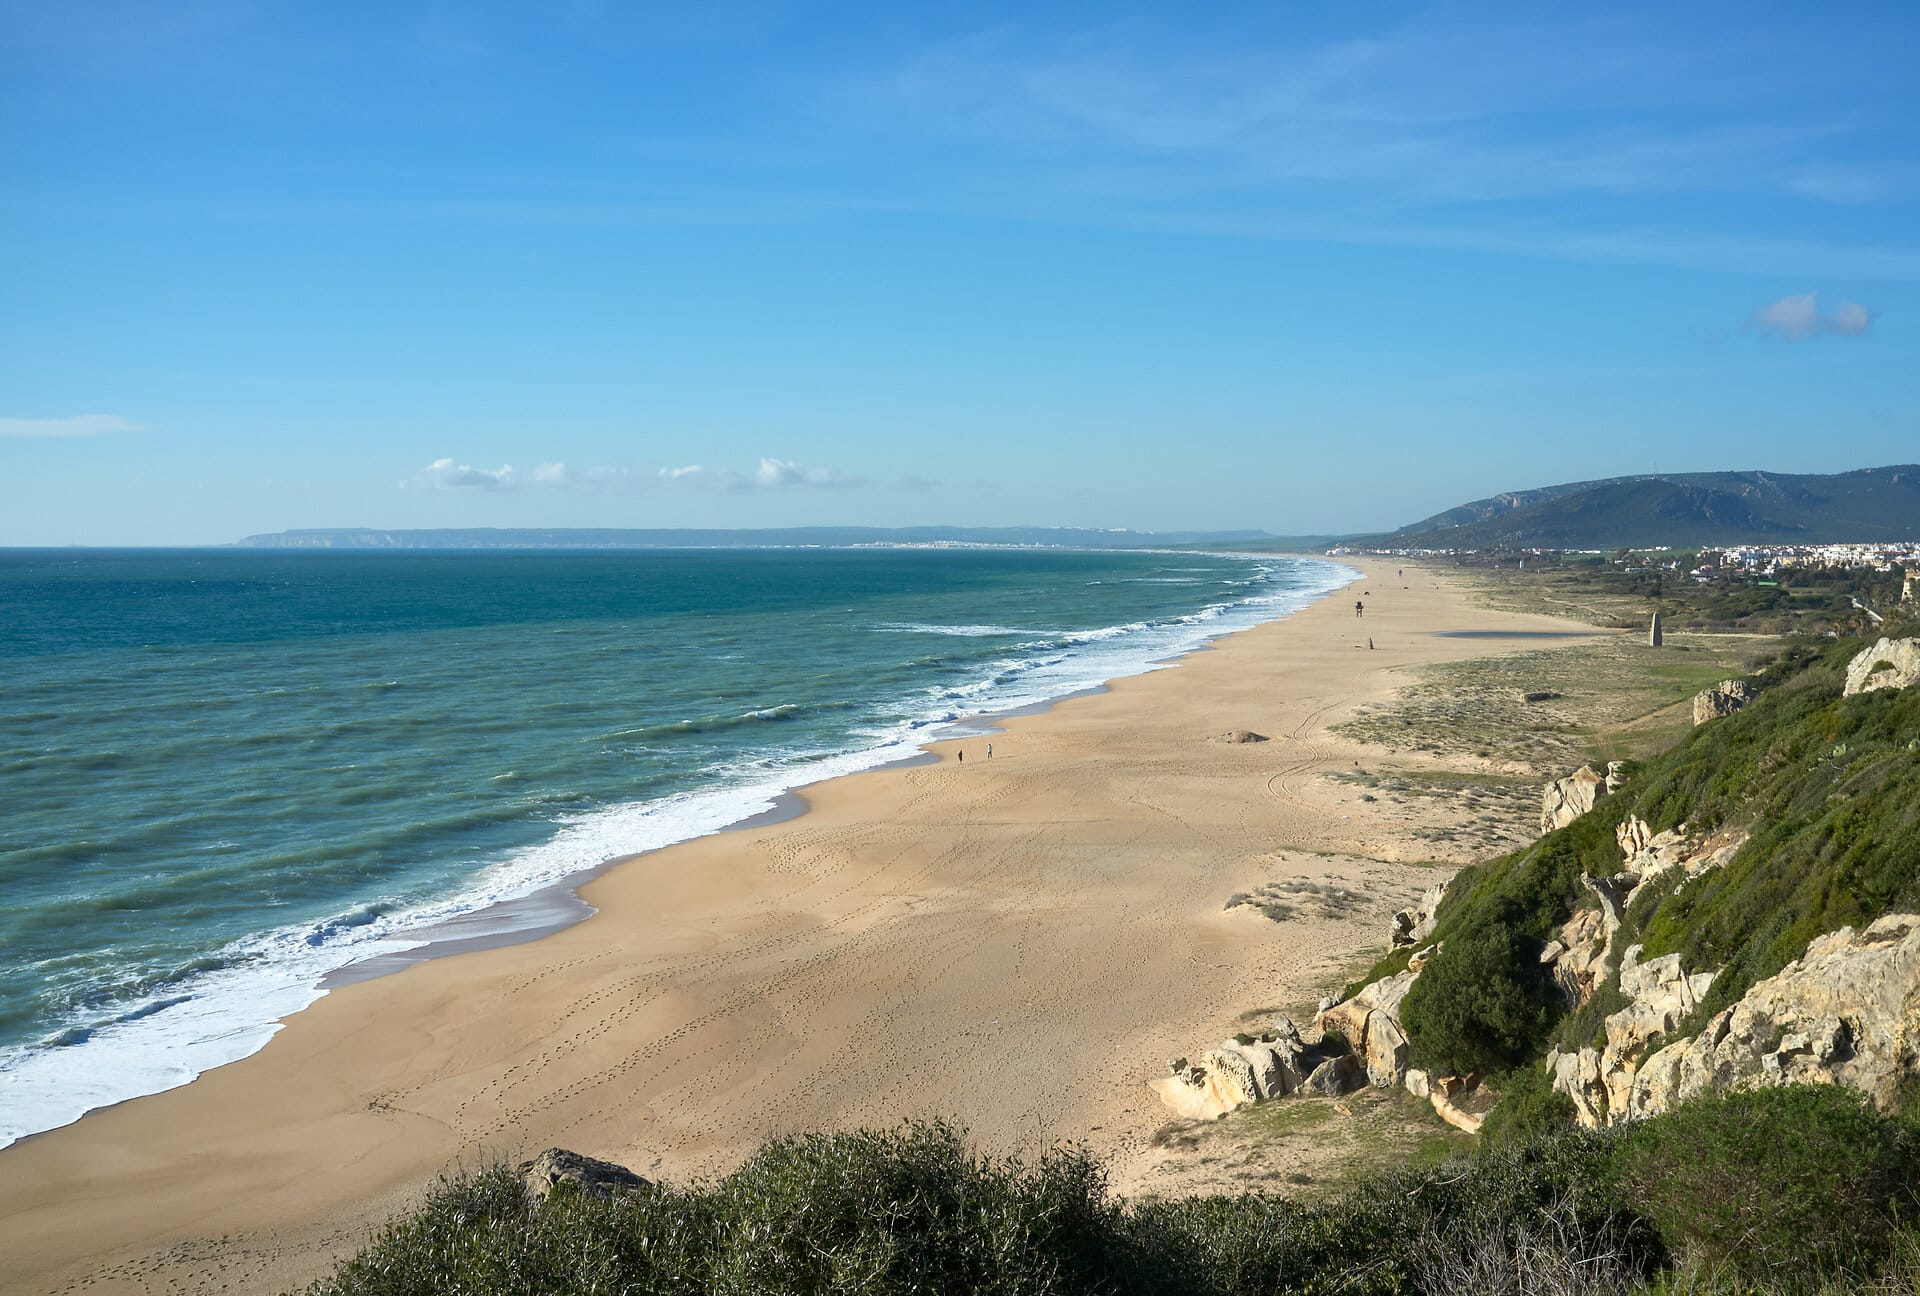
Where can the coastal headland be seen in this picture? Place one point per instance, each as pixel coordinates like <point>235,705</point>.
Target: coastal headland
<point>1014,944</point>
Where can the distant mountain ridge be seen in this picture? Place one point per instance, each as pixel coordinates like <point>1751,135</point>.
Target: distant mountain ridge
<point>1656,509</point>
<point>723,538</point>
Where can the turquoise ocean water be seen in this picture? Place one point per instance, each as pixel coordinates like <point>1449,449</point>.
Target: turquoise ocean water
<point>226,774</point>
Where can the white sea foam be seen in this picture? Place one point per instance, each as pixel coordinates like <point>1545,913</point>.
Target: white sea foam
<point>957,631</point>
<point>231,1011</point>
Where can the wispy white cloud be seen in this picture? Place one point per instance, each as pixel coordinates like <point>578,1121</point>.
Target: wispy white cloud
<point>445,474</point>
<point>1436,109</point>
<point>450,474</point>
<point>1801,316</point>
<point>784,472</point>
<point>701,475</point>
<point>1594,137</point>
<point>770,474</point>
<point>75,425</point>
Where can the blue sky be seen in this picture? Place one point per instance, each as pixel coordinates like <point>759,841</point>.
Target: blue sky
<point>1303,267</point>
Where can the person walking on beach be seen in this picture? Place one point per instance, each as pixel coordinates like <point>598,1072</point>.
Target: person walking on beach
<point>989,751</point>
<point>1359,608</point>
<point>963,755</point>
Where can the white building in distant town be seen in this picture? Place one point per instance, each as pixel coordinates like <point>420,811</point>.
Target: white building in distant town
<point>1848,557</point>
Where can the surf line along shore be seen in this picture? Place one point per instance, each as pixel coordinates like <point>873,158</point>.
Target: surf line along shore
<point>1014,945</point>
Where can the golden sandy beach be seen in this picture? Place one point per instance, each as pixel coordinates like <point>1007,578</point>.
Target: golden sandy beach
<point>1016,945</point>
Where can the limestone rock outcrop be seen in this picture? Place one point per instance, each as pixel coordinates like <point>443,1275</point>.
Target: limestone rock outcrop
<point>1412,926</point>
<point>1723,699</point>
<point>1577,955</point>
<point>1370,1021</point>
<point>1846,1012</point>
<point>1242,736</point>
<point>1566,799</point>
<point>1648,853</point>
<point>1236,1074</point>
<point>1890,663</point>
<point>589,1176</point>
<point>1600,1081</point>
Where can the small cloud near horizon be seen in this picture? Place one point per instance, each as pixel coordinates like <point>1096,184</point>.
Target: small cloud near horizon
<point>771,474</point>
<point>445,474</point>
<point>76,425</point>
<point>784,472</point>
<point>1800,316</point>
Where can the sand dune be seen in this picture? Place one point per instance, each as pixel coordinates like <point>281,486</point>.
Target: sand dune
<point>1014,944</point>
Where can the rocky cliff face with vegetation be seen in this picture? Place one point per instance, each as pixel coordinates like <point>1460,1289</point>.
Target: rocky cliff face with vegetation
<point>1741,911</point>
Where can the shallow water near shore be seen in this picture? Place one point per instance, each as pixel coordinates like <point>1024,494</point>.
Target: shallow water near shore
<point>227,775</point>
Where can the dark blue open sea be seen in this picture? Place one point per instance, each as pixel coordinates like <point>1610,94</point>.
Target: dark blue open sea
<point>226,774</point>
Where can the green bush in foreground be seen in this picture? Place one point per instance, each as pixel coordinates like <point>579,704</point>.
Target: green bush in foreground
<point>1798,1190</point>
<point>1781,1184</point>
<point>914,1211</point>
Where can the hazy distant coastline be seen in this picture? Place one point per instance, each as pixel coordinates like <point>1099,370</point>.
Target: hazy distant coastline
<point>720,538</point>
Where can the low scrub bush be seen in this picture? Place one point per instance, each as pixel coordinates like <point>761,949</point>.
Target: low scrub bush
<point>1792,1190</point>
<point>1781,1185</point>
<point>914,1211</point>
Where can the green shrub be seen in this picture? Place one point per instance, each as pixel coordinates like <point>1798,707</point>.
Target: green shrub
<point>1483,1002</point>
<point>1530,1110</point>
<point>913,1211</point>
<point>1783,1184</point>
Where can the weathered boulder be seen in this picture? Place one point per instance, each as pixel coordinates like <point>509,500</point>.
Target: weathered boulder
<point>1566,799</point>
<point>1600,1081</point>
<point>1846,1012</point>
<point>1333,1077</point>
<point>588,1176</point>
<point>1235,1074</point>
<point>1411,926</point>
<point>1289,1053</point>
<point>1349,1017</point>
<point>1723,699</point>
<point>1386,1050</point>
<point>1370,1021</point>
<point>1231,1074</point>
<point>1418,1083</point>
<point>1577,1075</point>
<point>1577,954</point>
<point>1242,736</point>
<point>1890,663</point>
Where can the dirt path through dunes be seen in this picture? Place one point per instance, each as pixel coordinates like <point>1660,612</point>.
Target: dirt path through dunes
<point>1015,945</point>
